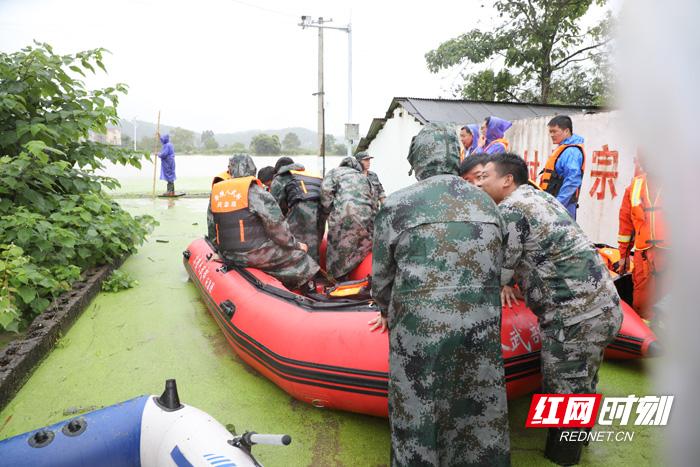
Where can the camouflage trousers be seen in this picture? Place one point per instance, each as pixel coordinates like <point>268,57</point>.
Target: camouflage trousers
<point>447,398</point>
<point>571,355</point>
<point>291,267</point>
<point>303,220</point>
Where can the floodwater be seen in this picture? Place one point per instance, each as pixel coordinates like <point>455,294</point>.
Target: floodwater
<point>128,343</point>
<point>194,173</point>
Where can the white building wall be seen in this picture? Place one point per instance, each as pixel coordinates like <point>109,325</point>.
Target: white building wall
<point>609,166</point>
<point>390,150</point>
<point>608,171</point>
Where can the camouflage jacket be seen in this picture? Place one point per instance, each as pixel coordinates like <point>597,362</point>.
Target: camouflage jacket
<point>423,234</point>
<point>437,261</point>
<point>347,201</point>
<point>377,188</point>
<point>552,260</point>
<point>279,254</point>
<point>304,218</point>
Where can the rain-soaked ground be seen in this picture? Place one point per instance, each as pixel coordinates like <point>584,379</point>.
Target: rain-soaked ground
<point>126,344</point>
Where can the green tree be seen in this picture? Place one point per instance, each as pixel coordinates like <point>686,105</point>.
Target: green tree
<point>182,139</point>
<point>208,140</point>
<point>291,142</point>
<point>237,148</point>
<point>55,218</point>
<point>263,144</point>
<point>542,45</point>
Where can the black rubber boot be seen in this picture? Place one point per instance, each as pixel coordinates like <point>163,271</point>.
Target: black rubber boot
<point>562,452</point>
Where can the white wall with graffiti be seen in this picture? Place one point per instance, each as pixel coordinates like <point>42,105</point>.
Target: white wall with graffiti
<point>609,167</point>
<point>609,162</point>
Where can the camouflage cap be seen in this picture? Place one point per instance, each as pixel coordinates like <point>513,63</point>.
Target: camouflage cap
<point>434,151</point>
<point>241,165</point>
<point>362,155</point>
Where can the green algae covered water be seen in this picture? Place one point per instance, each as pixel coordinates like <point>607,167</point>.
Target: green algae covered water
<point>126,344</point>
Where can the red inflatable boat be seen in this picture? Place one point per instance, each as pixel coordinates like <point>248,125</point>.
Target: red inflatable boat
<point>321,351</point>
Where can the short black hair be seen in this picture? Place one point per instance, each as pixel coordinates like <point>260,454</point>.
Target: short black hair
<point>282,161</point>
<point>562,121</point>
<point>266,173</point>
<point>472,161</point>
<point>508,163</point>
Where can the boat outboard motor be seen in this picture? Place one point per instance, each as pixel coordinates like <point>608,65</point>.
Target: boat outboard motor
<point>146,431</point>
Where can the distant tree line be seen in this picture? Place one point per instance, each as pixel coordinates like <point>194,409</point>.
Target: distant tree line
<point>261,145</point>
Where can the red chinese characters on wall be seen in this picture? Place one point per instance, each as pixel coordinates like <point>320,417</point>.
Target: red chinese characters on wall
<point>604,173</point>
<point>532,165</point>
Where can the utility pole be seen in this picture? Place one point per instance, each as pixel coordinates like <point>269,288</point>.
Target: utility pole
<point>321,109</point>
<point>307,22</point>
<point>133,121</point>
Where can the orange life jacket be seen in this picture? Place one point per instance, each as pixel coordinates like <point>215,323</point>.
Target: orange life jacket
<point>551,181</point>
<point>503,141</point>
<point>221,177</point>
<point>647,216</point>
<point>304,186</point>
<point>237,228</point>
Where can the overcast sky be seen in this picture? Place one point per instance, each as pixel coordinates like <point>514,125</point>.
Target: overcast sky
<point>229,65</point>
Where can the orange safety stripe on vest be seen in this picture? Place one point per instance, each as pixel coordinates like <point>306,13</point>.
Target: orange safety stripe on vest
<point>232,194</point>
<point>549,167</point>
<point>503,141</point>
<point>647,217</point>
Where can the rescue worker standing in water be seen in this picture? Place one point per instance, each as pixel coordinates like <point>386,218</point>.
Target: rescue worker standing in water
<point>167,164</point>
<point>563,172</point>
<point>436,265</point>
<point>298,193</point>
<point>250,231</point>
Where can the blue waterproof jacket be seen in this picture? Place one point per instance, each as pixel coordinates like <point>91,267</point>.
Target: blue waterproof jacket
<point>568,167</point>
<point>474,148</point>
<point>167,159</point>
<point>496,129</point>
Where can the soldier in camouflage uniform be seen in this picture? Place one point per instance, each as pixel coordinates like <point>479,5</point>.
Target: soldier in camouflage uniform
<point>280,255</point>
<point>436,271</point>
<point>302,215</point>
<point>564,282</point>
<point>377,189</point>
<point>347,202</point>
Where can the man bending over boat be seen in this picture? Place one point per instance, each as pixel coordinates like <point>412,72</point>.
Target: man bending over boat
<point>298,193</point>
<point>436,266</point>
<point>250,231</point>
<point>565,284</point>
<point>347,200</point>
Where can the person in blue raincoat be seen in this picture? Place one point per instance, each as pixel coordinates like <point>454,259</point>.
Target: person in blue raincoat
<point>167,164</point>
<point>494,129</point>
<point>469,137</point>
<point>563,172</point>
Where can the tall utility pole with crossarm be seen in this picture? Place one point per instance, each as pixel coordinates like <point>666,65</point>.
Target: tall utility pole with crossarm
<point>321,24</point>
